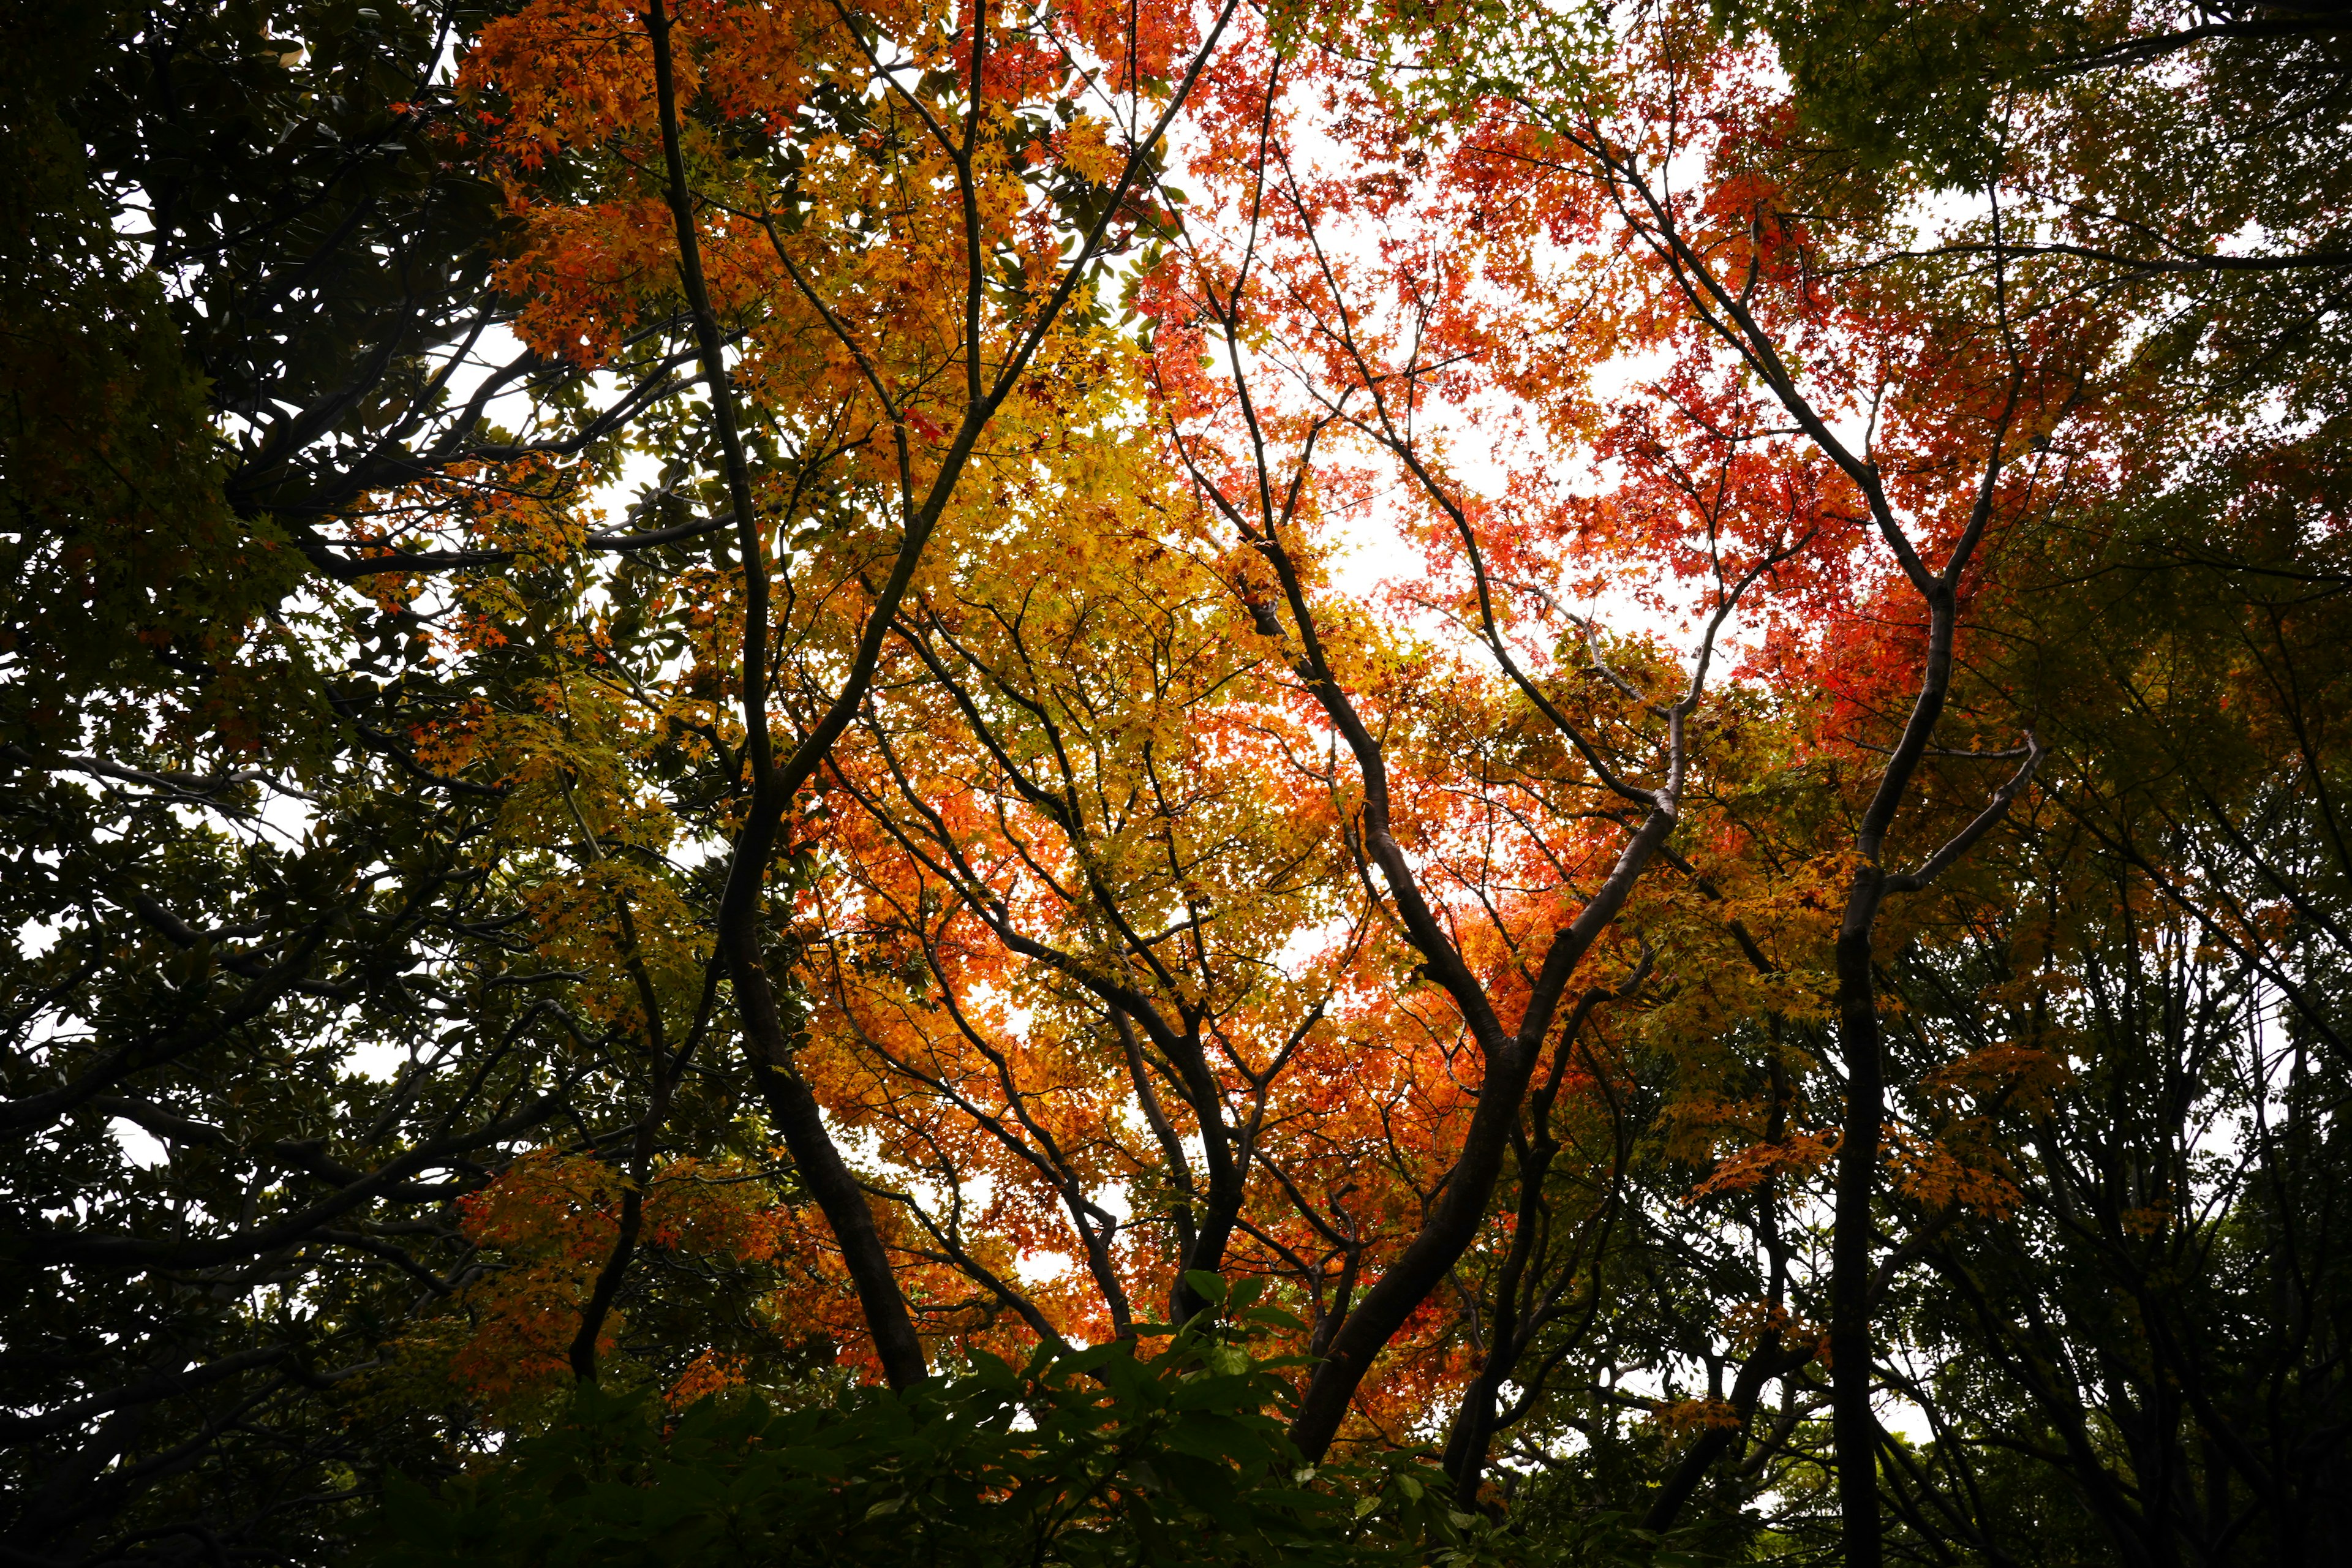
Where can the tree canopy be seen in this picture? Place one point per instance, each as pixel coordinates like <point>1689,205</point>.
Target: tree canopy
<point>1056,783</point>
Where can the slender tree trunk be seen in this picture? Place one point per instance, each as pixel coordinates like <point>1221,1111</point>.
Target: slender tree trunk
<point>1856,1425</point>
<point>791,1105</point>
<point>1453,1221</point>
<point>1519,1311</point>
<point>1769,1360</point>
<point>1443,1236</point>
<point>792,1109</point>
<point>1473,1422</point>
<point>663,1071</point>
<point>1222,1211</point>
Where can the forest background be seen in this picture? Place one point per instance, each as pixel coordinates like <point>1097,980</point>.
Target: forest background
<point>1275,782</point>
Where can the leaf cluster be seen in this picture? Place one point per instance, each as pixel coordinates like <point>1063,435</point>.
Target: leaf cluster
<point>1164,1449</point>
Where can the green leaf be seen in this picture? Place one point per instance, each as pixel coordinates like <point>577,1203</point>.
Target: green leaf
<point>1210,1287</point>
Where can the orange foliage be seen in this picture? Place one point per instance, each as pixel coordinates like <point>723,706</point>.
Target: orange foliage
<point>1086,889</point>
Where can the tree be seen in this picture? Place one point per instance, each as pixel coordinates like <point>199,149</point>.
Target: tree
<point>1663,754</point>
<point>237,255</point>
<point>336,272</point>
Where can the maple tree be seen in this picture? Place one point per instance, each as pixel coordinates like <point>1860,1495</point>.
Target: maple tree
<point>1634,714</point>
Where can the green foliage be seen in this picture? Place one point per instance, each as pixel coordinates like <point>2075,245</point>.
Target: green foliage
<point>1441,61</point>
<point>1123,1453</point>
<point>1894,80</point>
<point>232,922</point>
<point>123,549</point>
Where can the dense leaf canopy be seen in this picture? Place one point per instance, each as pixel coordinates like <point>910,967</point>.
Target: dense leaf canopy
<point>855,781</point>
